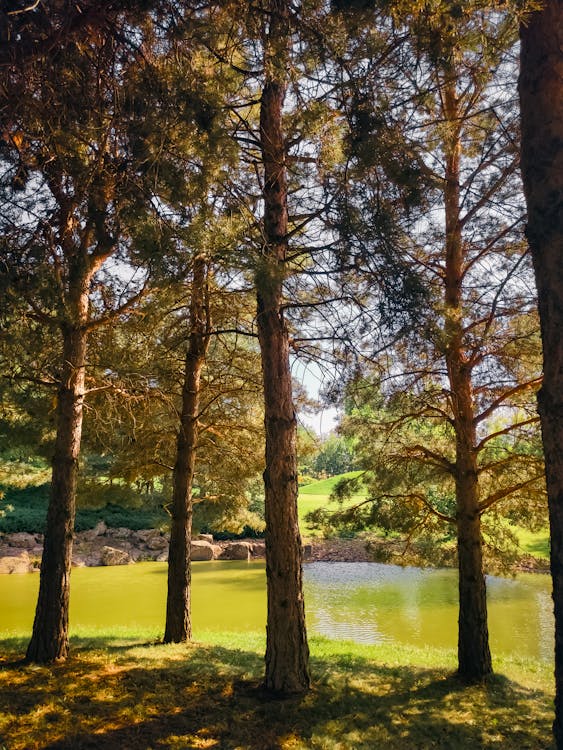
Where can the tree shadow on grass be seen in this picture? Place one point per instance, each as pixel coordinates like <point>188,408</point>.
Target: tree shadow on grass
<point>197,697</point>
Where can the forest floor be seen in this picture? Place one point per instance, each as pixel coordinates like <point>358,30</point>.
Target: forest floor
<point>126,694</point>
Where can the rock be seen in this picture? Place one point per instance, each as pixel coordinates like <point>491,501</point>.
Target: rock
<point>258,549</point>
<point>120,533</point>
<point>113,556</point>
<point>236,551</point>
<point>19,564</point>
<point>90,560</point>
<point>157,542</point>
<point>204,538</point>
<point>21,540</point>
<point>163,557</point>
<point>99,530</point>
<point>143,534</point>
<point>202,550</point>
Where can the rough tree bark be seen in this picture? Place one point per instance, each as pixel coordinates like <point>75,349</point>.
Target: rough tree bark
<point>178,604</point>
<point>474,657</point>
<point>287,651</point>
<point>541,104</point>
<point>49,640</point>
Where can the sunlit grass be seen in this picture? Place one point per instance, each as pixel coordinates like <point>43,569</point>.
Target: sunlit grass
<point>534,543</point>
<point>325,486</point>
<point>119,691</point>
<point>317,495</point>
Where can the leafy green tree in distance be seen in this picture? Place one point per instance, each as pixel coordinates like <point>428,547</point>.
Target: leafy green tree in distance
<point>541,106</point>
<point>335,456</point>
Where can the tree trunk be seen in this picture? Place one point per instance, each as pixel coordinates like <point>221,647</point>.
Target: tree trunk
<point>178,604</point>
<point>287,651</point>
<point>474,657</point>
<point>49,640</point>
<point>541,103</point>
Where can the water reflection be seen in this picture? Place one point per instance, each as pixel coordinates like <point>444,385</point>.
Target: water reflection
<point>366,602</point>
<point>374,603</point>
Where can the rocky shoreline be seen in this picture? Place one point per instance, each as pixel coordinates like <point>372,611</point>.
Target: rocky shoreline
<point>21,552</point>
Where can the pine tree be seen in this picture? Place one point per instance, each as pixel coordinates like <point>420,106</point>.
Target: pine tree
<point>70,195</point>
<point>541,106</point>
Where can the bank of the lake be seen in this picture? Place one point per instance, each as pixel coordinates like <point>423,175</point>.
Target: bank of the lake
<point>121,691</point>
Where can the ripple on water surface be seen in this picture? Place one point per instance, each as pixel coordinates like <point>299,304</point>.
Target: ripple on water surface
<point>366,602</point>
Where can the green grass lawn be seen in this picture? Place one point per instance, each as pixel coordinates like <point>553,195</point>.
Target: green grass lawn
<point>325,486</point>
<point>317,495</point>
<point>534,543</point>
<point>122,691</point>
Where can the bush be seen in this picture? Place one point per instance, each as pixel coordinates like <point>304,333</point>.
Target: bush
<point>26,510</point>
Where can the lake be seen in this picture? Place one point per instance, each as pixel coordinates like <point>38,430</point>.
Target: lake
<point>365,602</point>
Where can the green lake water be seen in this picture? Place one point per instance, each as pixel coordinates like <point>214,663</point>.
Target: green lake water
<point>366,602</point>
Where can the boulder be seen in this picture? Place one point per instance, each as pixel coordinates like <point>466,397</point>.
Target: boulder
<point>143,534</point>
<point>258,549</point>
<point>113,556</point>
<point>204,538</point>
<point>21,540</point>
<point>202,550</point>
<point>99,530</point>
<point>163,557</point>
<point>120,533</point>
<point>91,559</point>
<point>236,551</point>
<point>13,564</point>
<point>157,542</point>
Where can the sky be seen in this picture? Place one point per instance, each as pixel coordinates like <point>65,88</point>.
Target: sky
<point>312,378</point>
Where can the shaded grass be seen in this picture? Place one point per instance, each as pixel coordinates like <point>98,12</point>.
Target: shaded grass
<point>118,693</point>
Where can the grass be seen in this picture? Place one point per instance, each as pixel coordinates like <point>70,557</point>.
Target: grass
<point>121,691</point>
<point>317,495</point>
<point>325,486</point>
<point>534,543</point>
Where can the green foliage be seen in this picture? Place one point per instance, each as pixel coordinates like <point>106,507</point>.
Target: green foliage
<point>25,509</point>
<point>335,456</point>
